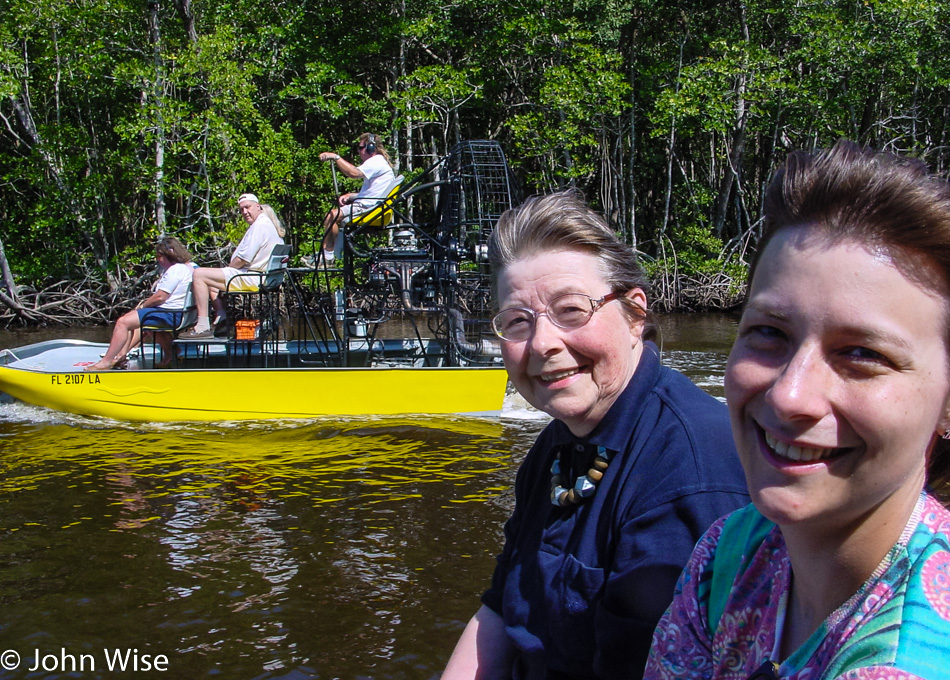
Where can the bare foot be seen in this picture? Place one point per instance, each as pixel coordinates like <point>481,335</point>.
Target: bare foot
<point>101,365</point>
<point>167,360</point>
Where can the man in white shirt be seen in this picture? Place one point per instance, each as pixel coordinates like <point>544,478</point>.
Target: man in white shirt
<point>375,170</point>
<point>251,254</point>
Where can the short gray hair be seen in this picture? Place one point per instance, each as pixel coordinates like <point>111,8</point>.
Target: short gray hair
<point>563,221</point>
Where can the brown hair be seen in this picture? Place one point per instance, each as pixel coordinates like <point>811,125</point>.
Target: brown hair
<point>563,221</point>
<point>378,142</point>
<point>173,249</point>
<point>880,200</point>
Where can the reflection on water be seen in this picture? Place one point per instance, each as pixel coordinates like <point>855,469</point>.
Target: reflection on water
<point>349,548</point>
<point>333,548</point>
<point>355,461</point>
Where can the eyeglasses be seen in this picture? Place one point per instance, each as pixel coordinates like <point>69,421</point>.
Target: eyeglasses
<point>361,147</point>
<point>569,311</point>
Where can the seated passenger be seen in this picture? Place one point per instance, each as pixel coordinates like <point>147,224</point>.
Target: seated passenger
<point>839,389</point>
<point>163,307</point>
<point>610,500</point>
<point>252,255</point>
<point>376,171</point>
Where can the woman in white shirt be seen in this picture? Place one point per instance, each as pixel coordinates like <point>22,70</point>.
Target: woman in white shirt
<point>164,306</point>
<point>376,171</point>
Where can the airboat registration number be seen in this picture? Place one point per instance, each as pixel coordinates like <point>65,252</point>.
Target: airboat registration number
<point>76,379</point>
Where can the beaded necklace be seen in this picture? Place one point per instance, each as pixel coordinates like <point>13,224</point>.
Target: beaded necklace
<point>585,486</point>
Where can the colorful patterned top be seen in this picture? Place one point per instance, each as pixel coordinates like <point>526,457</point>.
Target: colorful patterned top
<point>897,626</point>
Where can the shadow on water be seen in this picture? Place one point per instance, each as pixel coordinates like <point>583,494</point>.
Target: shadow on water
<point>331,548</point>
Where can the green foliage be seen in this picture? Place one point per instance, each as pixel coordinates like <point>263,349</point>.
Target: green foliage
<point>578,89</point>
<point>693,250</point>
<point>431,93</point>
<point>670,117</point>
<point>696,272</point>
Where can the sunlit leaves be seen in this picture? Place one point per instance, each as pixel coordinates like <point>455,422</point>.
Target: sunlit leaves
<point>637,101</point>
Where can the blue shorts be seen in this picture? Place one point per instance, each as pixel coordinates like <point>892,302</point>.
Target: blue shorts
<point>159,318</point>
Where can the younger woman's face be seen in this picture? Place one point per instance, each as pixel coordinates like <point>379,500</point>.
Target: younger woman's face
<point>837,383</point>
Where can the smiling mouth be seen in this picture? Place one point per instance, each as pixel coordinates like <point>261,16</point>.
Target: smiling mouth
<point>798,454</point>
<point>559,375</point>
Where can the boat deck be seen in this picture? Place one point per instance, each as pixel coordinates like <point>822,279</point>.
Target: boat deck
<point>70,356</point>
<point>54,356</point>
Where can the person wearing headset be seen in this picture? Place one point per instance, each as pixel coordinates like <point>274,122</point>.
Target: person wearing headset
<point>376,171</point>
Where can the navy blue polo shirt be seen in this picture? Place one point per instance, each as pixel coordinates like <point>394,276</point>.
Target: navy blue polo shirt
<point>581,589</point>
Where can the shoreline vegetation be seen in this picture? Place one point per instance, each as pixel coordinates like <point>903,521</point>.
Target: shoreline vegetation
<point>68,303</point>
<point>121,123</point>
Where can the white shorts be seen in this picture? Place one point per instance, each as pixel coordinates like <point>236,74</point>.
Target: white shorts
<point>356,209</point>
<point>241,284</point>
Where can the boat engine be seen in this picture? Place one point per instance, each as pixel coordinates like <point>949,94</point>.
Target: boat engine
<point>418,290</point>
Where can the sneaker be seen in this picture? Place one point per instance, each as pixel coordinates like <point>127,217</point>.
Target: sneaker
<point>192,334</point>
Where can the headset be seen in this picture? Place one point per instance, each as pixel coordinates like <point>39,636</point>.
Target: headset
<point>371,144</point>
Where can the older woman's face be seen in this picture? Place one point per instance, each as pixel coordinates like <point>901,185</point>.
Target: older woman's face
<point>837,384</point>
<point>573,375</point>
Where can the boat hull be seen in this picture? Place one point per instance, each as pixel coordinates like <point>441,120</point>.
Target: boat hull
<point>254,393</point>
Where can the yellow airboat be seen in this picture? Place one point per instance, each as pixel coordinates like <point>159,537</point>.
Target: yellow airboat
<point>399,326</point>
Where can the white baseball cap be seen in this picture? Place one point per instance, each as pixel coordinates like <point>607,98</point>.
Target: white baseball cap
<point>247,197</point>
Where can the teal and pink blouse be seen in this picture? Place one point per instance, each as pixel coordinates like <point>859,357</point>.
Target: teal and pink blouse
<point>729,603</point>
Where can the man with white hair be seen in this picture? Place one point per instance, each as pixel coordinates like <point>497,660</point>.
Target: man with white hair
<point>251,254</point>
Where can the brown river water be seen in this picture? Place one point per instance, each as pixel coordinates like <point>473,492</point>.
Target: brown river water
<point>327,548</point>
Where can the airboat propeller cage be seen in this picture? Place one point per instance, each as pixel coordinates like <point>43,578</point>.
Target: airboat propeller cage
<point>481,190</point>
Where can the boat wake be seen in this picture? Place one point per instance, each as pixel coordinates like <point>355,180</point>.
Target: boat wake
<point>513,408</point>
